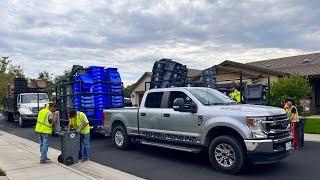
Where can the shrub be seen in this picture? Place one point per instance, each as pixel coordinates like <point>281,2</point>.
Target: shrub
<point>292,87</point>
<point>2,173</point>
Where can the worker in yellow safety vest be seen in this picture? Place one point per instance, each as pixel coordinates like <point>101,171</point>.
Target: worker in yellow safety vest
<point>235,95</point>
<point>46,118</point>
<point>79,121</point>
<point>294,120</point>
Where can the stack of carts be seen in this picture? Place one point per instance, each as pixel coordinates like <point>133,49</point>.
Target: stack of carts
<point>83,94</point>
<point>168,73</point>
<point>99,89</point>
<point>209,78</point>
<point>114,88</point>
<point>20,85</point>
<point>94,89</point>
<point>256,94</point>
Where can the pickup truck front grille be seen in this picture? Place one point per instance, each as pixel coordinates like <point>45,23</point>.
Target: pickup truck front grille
<point>277,126</point>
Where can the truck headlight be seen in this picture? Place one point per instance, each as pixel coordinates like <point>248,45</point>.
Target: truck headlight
<point>257,126</point>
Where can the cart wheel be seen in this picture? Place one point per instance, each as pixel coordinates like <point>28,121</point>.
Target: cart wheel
<point>68,161</point>
<point>60,159</point>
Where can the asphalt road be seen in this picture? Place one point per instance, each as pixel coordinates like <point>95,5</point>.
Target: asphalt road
<point>157,163</point>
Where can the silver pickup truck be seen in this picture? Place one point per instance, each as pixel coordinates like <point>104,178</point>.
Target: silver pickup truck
<point>194,119</point>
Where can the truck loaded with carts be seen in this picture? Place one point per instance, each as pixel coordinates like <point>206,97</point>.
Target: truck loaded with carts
<point>24,100</point>
<point>90,90</point>
<point>178,114</point>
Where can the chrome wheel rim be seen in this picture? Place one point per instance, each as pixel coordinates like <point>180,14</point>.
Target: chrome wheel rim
<point>119,138</point>
<point>224,155</point>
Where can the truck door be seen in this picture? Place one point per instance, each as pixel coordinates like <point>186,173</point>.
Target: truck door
<point>182,125</point>
<point>150,115</point>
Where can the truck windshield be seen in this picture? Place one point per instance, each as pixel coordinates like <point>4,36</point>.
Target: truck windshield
<point>208,96</point>
<point>33,98</point>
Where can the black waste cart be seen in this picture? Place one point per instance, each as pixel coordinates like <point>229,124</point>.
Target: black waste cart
<point>70,147</point>
<point>300,128</point>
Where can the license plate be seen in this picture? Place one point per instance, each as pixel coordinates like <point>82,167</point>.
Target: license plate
<point>288,146</point>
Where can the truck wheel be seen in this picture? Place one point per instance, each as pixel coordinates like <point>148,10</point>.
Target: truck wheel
<point>227,154</point>
<point>21,122</point>
<point>120,138</point>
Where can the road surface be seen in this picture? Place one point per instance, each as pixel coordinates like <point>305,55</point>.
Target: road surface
<point>158,164</point>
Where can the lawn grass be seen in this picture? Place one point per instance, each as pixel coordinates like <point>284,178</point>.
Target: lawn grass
<point>312,126</point>
<point>2,173</point>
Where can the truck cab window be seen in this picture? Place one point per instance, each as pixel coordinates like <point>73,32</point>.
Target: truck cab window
<point>179,94</point>
<point>153,100</point>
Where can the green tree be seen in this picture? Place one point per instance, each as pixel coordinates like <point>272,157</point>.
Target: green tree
<point>48,78</point>
<point>7,73</point>
<point>59,78</point>
<point>126,92</point>
<point>292,87</point>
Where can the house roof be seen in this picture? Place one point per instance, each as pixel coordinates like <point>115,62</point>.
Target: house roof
<point>133,86</point>
<point>307,64</point>
<point>249,66</point>
<point>194,72</point>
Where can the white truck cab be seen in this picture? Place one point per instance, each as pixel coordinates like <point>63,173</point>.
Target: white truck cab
<point>28,106</point>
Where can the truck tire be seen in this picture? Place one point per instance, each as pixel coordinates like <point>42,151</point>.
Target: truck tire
<point>120,138</point>
<point>227,154</point>
<point>21,122</point>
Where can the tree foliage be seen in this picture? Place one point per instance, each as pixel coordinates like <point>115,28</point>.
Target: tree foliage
<point>292,87</point>
<point>48,78</point>
<point>8,72</point>
<point>61,77</point>
<point>126,92</point>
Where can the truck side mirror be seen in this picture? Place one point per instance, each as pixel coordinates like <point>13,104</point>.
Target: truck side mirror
<point>178,104</point>
<point>194,108</point>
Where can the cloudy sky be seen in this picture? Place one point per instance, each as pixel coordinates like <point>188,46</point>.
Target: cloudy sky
<point>53,35</point>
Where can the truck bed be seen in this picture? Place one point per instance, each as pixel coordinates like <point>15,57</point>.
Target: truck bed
<point>9,105</point>
<point>128,115</point>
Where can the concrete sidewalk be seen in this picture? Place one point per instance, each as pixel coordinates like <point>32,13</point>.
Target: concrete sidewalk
<point>312,137</point>
<point>19,158</point>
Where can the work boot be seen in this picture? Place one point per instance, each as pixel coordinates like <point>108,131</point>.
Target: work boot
<point>45,161</point>
<point>85,159</point>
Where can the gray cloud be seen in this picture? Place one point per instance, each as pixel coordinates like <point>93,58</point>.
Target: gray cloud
<point>131,35</point>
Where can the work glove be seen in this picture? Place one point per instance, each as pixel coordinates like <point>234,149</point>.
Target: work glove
<point>78,130</point>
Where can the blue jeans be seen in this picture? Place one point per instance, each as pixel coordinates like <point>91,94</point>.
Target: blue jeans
<point>85,146</point>
<point>44,141</point>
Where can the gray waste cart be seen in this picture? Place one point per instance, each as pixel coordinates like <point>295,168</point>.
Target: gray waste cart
<point>300,130</point>
<point>70,147</point>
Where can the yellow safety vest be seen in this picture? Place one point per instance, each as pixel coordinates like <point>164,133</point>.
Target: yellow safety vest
<point>294,117</point>
<point>78,121</point>
<point>236,95</point>
<point>43,125</point>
